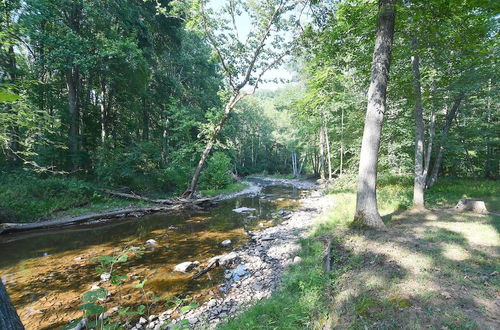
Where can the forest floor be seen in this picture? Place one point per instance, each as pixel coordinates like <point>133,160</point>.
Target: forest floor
<point>436,268</point>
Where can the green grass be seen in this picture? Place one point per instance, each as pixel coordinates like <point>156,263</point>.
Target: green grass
<point>30,198</point>
<point>232,188</point>
<point>305,298</point>
<point>275,176</point>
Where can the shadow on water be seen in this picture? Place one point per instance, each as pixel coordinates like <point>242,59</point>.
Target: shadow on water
<point>48,271</point>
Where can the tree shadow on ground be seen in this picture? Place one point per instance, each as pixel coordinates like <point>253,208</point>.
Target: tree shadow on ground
<point>430,269</point>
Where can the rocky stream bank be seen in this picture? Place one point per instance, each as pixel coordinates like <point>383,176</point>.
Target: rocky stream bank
<point>253,271</point>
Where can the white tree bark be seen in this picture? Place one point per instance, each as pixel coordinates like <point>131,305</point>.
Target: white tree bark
<point>419,184</point>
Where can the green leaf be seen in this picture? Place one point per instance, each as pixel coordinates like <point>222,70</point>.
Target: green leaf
<point>141,309</point>
<point>72,324</point>
<point>93,324</point>
<point>118,279</point>
<point>122,258</point>
<point>105,260</point>
<point>92,296</point>
<point>6,96</point>
<point>92,309</point>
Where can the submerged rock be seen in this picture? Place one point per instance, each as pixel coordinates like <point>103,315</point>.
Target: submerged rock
<point>186,266</point>
<point>226,243</point>
<point>244,210</point>
<point>151,242</point>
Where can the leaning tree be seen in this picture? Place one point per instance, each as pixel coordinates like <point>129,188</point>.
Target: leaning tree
<point>249,38</point>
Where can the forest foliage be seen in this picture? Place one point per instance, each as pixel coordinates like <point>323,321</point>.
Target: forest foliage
<point>126,94</point>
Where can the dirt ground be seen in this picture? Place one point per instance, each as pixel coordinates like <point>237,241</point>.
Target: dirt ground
<point>430,269</point>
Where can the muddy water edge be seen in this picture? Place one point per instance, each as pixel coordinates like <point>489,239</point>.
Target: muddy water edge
<point>47,272</point>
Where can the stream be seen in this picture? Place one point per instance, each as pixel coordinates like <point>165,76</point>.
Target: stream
<point>46,272</point>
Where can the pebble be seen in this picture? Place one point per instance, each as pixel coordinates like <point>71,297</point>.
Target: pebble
<point>260,265</point>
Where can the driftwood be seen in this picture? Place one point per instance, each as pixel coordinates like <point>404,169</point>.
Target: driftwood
<point>471,205</point>
<point>174,204</point>
<point>135,197</point>
<point>214,263</point>
<point>10,227</point>
<point>169,201</point>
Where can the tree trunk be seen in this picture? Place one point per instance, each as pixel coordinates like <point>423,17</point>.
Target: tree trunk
<point>145,120</point>
<point>419,184</point>
<point>72,86</point>
<point>328,154</point>
<point>210,144</point>
<point>432,133</point>
<point>444,137</point>
<point>302,163</point>
<point>342,142</point>
<point>322,167</point>
<point>9,320</point>
<point>366,200</point>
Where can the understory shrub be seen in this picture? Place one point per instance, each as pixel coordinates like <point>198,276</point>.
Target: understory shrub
<point>217,173</point>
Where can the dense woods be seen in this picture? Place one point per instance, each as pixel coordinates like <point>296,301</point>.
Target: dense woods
<point>165,98</point>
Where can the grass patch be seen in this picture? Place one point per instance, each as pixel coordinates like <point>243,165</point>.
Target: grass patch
<point>411,276</point>
<point>31,198</point>
<point>231,188</point>
<point>274,176</point>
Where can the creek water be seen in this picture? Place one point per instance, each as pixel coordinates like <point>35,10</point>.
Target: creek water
<point>46,272</point>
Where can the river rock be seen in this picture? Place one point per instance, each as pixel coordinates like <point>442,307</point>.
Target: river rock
<point>225,259</point>
<point>105,277</point>
<point>151,242</point>
<point>226,243</point>
<point>296,260</point>
<point>186,266</point>
<point>244,210</point>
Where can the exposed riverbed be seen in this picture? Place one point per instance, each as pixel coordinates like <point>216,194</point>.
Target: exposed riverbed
<point>46,272</point>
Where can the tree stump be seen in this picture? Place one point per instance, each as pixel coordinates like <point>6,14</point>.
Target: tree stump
<point>471,205</point>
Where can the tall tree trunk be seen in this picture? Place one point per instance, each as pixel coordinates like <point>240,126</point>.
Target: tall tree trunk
<point>328,154</point>
<point>444,138</point>
<point>145,120</point>
<point>366,199</point>
<point>72,86</point>
<point>342,142</point>
<point>322,166</point>
<point>419,184</point>
<point>302,163</point>
<point>9,320</point>
<point>430,141</point>
<point>235,98</point>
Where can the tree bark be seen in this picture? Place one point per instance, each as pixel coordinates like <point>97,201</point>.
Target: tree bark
<point>444,138</point>
<point>210,144</point>
<point>322,166</point>
<point>342,142</point>
<point>367,214</point>
<point>9,320</point>
<point>71,84</point>
<point>419,184</point>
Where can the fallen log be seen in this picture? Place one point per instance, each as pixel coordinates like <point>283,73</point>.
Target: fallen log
<point>11,227</point>
<point>135,197</point>
<point>169,201</point>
